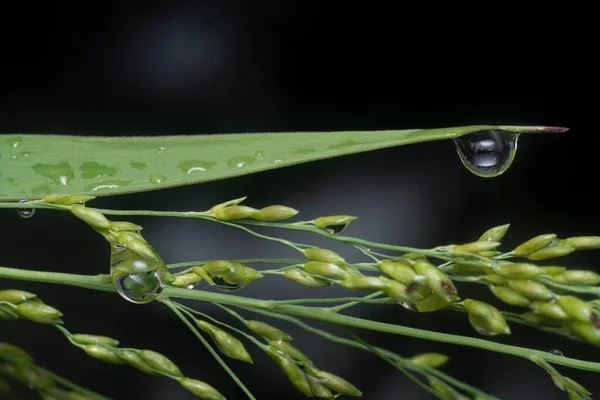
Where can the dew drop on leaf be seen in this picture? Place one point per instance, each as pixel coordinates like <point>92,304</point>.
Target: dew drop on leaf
<point>25,212</point>
<point>239,162</point>
<point>158,178</point>
<point>487,153</point>
<point>136,278</point>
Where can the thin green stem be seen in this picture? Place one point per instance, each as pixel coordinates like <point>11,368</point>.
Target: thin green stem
<point>355,300</point>
<point>168,303</point>
<point>347,342</point>
<point>307,312</point>
<point>241,261</point>
<point>363,300</point>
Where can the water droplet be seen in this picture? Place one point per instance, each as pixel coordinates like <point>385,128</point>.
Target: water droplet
<point>241,161</point>
<point>61,173</point>
<point>138,165</point>
<point>556,352</point>
<point>277,161</point>
<point>14,157</point>
<point>92,169</point>
<point>259,153</point>
<point>15,142</point>
<point>25,212</point>
<point>106,185</point>
<point>487,153</point>
<point>25,153</point>
<point>157,178</point>
<point>160,150</point>
<point>136,278</point>
<point>227,287</point>
<point>191,166</point>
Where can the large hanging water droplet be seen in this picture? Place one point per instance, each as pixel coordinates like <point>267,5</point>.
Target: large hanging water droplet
<point>487,153</point>
<point>25,212</point>
<point>137,279</point>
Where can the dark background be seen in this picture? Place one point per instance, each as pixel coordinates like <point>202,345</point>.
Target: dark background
<point>220,67</point>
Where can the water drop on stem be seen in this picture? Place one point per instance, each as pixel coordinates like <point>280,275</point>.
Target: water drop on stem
<point>25,212</point>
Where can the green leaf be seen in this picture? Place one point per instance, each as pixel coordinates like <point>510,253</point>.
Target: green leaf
<point>33,166</point>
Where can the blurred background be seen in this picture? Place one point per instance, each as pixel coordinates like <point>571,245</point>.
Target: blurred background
<point>223,67</point>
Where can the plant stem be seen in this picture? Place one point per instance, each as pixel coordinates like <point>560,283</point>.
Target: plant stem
<point>92,282</point>
<point>232,374</point>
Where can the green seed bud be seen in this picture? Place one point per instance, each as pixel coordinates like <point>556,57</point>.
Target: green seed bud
<point>363,283</point>
<point>233,213</point>
<point>103,354</point>
<point>537,319</point>
<point>231,346</point>
<point>275,213</point>
<point>67,199</point>
<point>519,271</point>
<point>216,267</point>
<point>549,310</point>
<point>324,255</point>
<point>135,360</point>
<point>201,389</point>
<point>436,280</point>
<point>396,290</point>
<point>31,377</point>
<point>551,252</point>
<point>289,349</point>
<point>82,338</point>
<point>93,218</point>
<point>137,244</point>
<point>495,234</point>
<point>443,389</point>
<point>303,278</point>
<point>575,308</point>
<point>433,360</point>
<point>318,389</point>
<point>5,388</point>
<point>326,270</point>
<point>334,224</point>
<point>15,296</point>
<point>267,331</point>
<point>534,244</point>
<point>584,242</point>
<point>201,272</point>
<point>292,371</point>
<point>587,331</point>
<point>486,319</point>
<point>185,280</point>
<point>336,383</point>
<point>552,270</point>
<point>160,363</point>
<point>233,202</point>
<point>510,296</point>
<point>532,290</point>
<point>240,274</point>
<point>495,279</point>
<point>399,271</point>
<point>430,303</point>
<point>120,226</point>
<point>14,352</point>
<point>38,312</point>
<point>474,247</point>
<point>577,277</point>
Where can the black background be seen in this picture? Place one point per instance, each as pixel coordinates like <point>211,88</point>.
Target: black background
<point>220,67</point>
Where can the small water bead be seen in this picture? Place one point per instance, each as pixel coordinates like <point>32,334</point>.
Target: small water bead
<point>556,352</point>
<point>487,153</point>
<point>25,212</point>
<point>239,162</point>
<point>157,178</point>
<point>137,279</point>
<point>193,166</point>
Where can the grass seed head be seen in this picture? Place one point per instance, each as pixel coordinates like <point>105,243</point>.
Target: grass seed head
<point>433,360</point>
<point>534,244</point>
<point>38,312</point>
<point>82,338</point>
<point>275,213</point>
<point>549,310</point>
<point>185,280</point>
<point>584,242</point>
<point>551,252</point>
<point>334,224</point>
<point>510,296</point>
<point>267,331</point>
<point>201,389</point>
<point>103,354</point>
<point>364,283</point>
<point>531,289</point>
<point>303,278</point>
<point>324,255</point>
<point>289,349</point>
<point>135,360</point>
<point>235,212</point>
<point>160,363</point>
<point>575,308</point>
<point>15,296</point>
<point>334,382</point>
<point>520,270</point>
<point>14,352</point>
<point>325,270</point>
<point>495,234</point>
<point>93,218</point>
